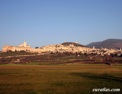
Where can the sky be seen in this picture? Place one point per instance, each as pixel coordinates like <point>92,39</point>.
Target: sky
<point>45,22</point>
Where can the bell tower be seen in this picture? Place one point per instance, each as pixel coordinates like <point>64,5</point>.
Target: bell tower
<point>25,44</point>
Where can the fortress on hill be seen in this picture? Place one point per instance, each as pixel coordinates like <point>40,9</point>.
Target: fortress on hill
<point>64,47</point>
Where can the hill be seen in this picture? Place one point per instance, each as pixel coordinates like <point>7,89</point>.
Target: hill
<point>109,43</point>
<point>72,43</point>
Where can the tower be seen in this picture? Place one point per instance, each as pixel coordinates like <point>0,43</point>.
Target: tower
<point>25,44</point>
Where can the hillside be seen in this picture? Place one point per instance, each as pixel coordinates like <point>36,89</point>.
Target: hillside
<point>72,43</point>
<point>109,43</point>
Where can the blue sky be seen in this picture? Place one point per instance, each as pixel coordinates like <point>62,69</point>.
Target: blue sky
<point>44,22</point>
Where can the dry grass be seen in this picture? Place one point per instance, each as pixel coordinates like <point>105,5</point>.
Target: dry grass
<point>58,79</point>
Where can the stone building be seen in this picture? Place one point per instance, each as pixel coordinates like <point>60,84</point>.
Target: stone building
<point>21,47</point>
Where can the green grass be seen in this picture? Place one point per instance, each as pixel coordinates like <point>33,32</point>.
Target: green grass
<point>58,79</point>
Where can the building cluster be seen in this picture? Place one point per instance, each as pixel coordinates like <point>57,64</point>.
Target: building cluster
<point>21,47</point>
<point>61,49</point>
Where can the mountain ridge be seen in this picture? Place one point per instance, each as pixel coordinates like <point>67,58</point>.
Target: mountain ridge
<point>108,43</point>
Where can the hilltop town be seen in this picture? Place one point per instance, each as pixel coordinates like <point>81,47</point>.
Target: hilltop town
<point>71,47</point>
<point>66,52</point>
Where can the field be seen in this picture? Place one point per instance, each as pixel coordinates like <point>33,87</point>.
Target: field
<point>68,78</point>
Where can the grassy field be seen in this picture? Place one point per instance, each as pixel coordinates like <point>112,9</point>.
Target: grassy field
<point>59,79</point>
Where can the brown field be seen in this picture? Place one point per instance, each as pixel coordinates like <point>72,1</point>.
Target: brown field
<point>68,78</point>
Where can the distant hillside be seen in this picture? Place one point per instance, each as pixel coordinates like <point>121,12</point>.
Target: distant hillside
<point>72,43</point>
<point>109,43</point>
